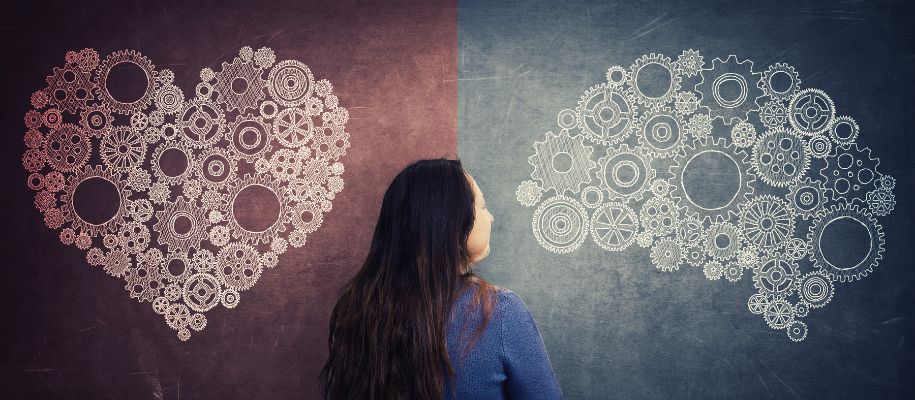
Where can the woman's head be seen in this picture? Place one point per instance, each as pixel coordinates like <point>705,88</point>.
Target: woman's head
<point>387,331</point>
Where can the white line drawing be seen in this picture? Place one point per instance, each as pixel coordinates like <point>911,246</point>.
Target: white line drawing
<point>174,167</point>
<point>657,149</point>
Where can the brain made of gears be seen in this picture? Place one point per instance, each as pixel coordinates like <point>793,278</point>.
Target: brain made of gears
<point>186,196</point>
<point>736,170</point>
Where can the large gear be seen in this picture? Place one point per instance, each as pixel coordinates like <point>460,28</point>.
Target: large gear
<point>661,132</point>
<point>780,158</point>
<point>711,147</point>
<point>562,162</point>
<point>625,173</point>
<point>767,222</point>
<point>648,99</point>
<point>614,226</point>
<point>560,224</point>
<point>604,115</point>
<point>829,265</point>
<point>811,112</point>
<point>726,73</point>
<point>141,62</point>
<point>850,173</point>
<point>240,85</point>
<point>80,223</point>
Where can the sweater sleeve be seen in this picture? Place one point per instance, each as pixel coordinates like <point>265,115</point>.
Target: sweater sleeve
<point>529,374</point>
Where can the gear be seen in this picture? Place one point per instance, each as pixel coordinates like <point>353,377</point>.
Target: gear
<point>713,270</point>
<point>796,249</point>
<point>702,150</point>
<point>881,202</point>
<point>169,99</point>
<point>70,89</point>
<point>636,90</point>
<point>689,63</point>
<point>141,62</point>
<point>306,216</point>
<point>625,173</point>
<point>216,167</point>
<point>723,240</point>
<point>815,289</point>
<point>690,232</point>
<point>560,224</point>
<point>774,71</point>
<point>79,222</point>
<point>699,125</point>
<point>779,314</point>
<point>172,163</point>
<point>123,149</point>
<point>293,128</point>
<point>780,158</point>
<point>773,114</point>
<point>240,85</point>
<point>666,254</point>
<point>850,173</point>
<point>290,83</point>
<point>819,146</point>
<point>811,112</point>
<point>661,132</point>
<point>96,120</point>
<point>797,331</point>
<point>528,193</point>
<point>617,76</point>
<point>240,135</point>
<point>743,134</point>
<point>757,303</point>
<point>258,234</point>
<point>806,197</point>
<point>686,103</point>
<point>732,272</point>
<point>844,130</point>
<point>776,276</point>
<point>239,266</point>
<point>605,116</point>
<point>182,225</point>
<point>330,141</point>
<point>67,148</point>
<point>591,196</point>
<point>854,270</point>
<point>202,122</point>
<point>659,216</point>
<point>201,292</point>
<point>567,119</point>
<point>562,162</point>
<point>614,226</point>
<point>728,106</point>
<point>767,222</point>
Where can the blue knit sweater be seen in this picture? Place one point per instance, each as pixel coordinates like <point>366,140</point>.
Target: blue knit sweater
<point>509,361</point>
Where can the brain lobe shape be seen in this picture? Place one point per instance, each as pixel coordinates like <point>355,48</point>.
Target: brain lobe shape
<point>738,172</point>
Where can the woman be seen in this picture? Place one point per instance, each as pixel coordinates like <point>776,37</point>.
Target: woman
<point>416,322</point>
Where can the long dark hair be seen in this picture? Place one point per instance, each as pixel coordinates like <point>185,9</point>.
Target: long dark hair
<point>388,329</point>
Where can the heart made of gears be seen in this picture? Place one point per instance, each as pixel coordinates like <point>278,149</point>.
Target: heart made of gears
<point>186,198</point>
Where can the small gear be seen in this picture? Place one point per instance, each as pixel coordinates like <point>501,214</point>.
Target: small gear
<point>774,89</point>
<point>780,158</point>
<point>844,130</point>
<point>757,303</point>
<point>833,266</point>
<point>202,123</point>
<point>123,149</point>
<point>850,173</point>
<point>636,90</point>
<point>723,240</point>
<point>713,270</point>
<point>666,254</point>
<point>560,224</point>
<point>686,103</point>
<point>779,314</point>
<point>797,331</point>
<point>881,202</point>
<point>699,125</point>
<point>767,222</point>
<point>776,276</point>
<point>562,162</point>
<point>528,193</point>
<point>743,134</point>
<point>661,133</point>
<point>689,63</point>
<point>614,226</point>
<point>591,196</point>
<point>67,148</point>
<point>290,83</point>
<point>239,266</point>
<point>819,146</point>
<point>70,89</point>
<point>201,292</point>
<point>605,115</point>
<point>773,114</point>
<point>182,225</point>
<point>659,216</point>
<point>796,249</point>
<point>138,60</point>
<point>801,309</point>
<point>262,233</point>
<point>625,173</point>
<point>249,137</point>
<point>729,73</point>
<point>617,76</point>
<point>811,112</point>
<point>96,120</point>
<point>815,289</point>
<point>732,272</point>
<point>690,231</point>
<point>807,197</point>
<point>240,85</point>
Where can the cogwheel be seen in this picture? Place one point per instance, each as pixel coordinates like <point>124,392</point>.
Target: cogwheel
<point>528,193</point>
<point>638,88</point>
<point>776,91</point>
<point>757,303</point>
<point>88,225</point>
<point>692,161</point>
<point>560,224</point>
<point>776,276</point>
<point>713,270</point>
<point>592,196</point>
<point>666,254</point>
<point>773,114</point>
<point>850,173</point>
<point>567,119</point>
<point>722,240</point>
<point>881,202</point>
<point>260,232</point>
<point>811,112</point>
<point>625,173</point>
<point>617,76</point>
<point>202,123</point>
<point>815,288</point>
<point>780,158</point>
<point>845,269</point>
<point>690,232</point>
<point>767,222</point>
<point>614,226</point>
<point>659,216</point>
<point>141,62</point>
<point>562,162</point>
<point>819,146</point>
<point>806,197</point>
<point>743,134</point>
<point>797,331</point>
<point>237,96</point>
<point>844,130</point>
<point>689,63</point>
<point>717,83</point>
<point>605,116</point>
<point>779,314</point>
<point>661,132</point>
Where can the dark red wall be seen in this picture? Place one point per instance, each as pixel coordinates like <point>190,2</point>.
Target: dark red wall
<point>71,331</point>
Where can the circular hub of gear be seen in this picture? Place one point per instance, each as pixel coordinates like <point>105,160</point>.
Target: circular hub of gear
<point>776,276</point>
<point>767,222</point>
<point>661,133</point>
